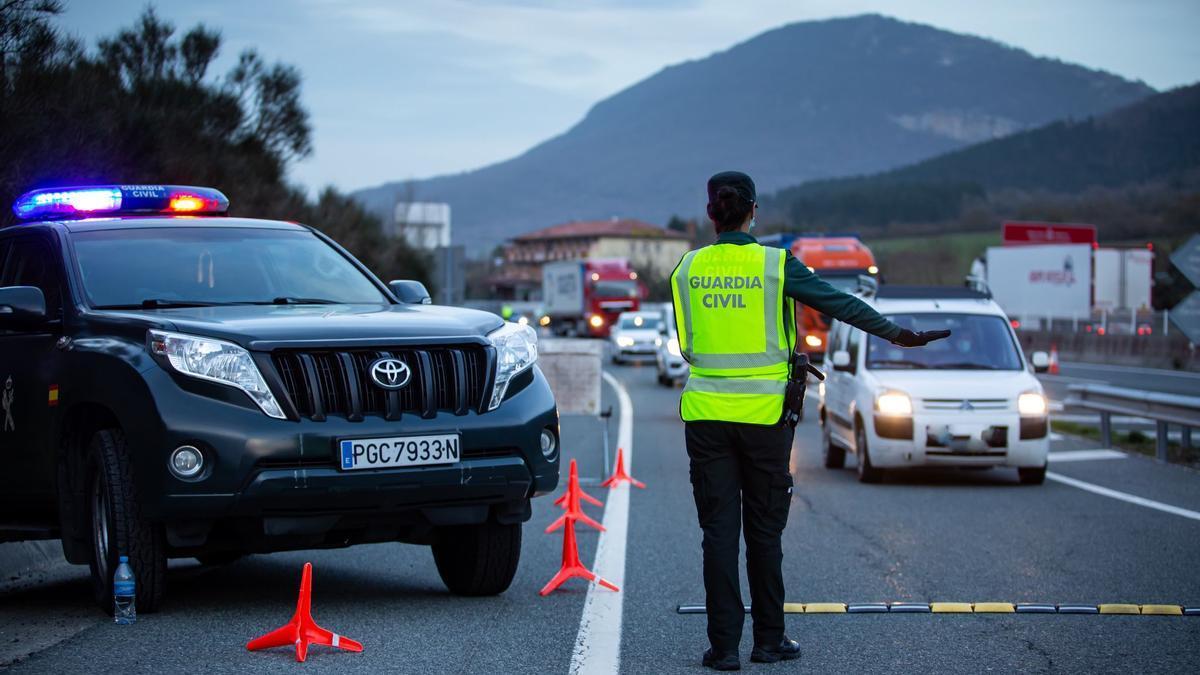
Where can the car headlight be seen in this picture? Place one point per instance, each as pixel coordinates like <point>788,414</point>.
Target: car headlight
<point>812,340</point>
<point>516,350</point>
<point>624,341</point>
<point>673,346</point>
<point>596,321</point>
<point>1031,403</point>
<point>893,403</point>
<point>216,361</point>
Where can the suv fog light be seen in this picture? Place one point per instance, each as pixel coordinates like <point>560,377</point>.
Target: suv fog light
<point>549,444</point>
<point>186,462</point>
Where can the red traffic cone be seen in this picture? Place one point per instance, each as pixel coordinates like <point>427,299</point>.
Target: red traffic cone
<point>302,631</point>
<point>619,476</point>
<point>571,566</point>
<point>573,480</point>
<point>1053,369</point>
<point>574,511</point>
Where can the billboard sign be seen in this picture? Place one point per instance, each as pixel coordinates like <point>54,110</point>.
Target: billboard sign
<point>1053,281</point>
<point>1029,233</point>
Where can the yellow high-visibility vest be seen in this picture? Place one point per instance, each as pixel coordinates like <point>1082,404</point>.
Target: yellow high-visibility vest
<point>736,329</point>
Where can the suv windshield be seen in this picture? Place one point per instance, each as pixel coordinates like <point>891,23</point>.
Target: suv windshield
<point>640,323</point>
<point>977,342</point>
<point>181,266</point>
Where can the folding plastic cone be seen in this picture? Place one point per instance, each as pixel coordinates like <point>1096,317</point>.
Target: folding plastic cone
<point>574,510</point>
<point>571,565</point>
<point>302,631</point>
<point>1053,369</point>
<point>574,480</point>
<point>619,476</point>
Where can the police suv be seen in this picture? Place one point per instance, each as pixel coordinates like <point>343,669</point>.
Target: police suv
<point>179,383</point>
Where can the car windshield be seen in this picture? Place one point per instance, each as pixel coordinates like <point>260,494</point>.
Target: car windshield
<point>843,282</point>
<point>640,322</point>
<point>977,342</point>
<point>197,266</point>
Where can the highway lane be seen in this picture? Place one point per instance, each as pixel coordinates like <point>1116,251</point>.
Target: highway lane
<point>922,536</point>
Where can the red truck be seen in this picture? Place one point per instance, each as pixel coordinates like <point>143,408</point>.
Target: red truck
<point>584,297</point>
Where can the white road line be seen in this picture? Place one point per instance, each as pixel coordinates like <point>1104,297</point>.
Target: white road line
<point>598,644</point>
<point>1085,455</point>
<point>1123,496</point>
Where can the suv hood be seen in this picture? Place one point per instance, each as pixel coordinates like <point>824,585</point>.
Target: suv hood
<point>926,384</point>
<point>269,326</point>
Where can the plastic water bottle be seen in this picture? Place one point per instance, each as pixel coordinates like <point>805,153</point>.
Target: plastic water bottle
<point>124,593</point>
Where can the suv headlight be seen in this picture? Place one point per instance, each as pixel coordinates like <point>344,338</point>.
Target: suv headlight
<point>516,350</point>
<point>673,347</point>
<point>893,403</point>
<point>216,361</point>
<point>1031,404</point>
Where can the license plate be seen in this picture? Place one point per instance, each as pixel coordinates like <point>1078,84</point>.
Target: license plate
<point>380,453</point>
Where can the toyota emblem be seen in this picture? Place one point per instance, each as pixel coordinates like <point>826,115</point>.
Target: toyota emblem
<point>390,373</point>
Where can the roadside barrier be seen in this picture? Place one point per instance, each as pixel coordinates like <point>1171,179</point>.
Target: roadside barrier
<point>620,476</point>
<point>571,565</point>
<point>574,510</point>
<point>968,608</point>
<point>301,630</point>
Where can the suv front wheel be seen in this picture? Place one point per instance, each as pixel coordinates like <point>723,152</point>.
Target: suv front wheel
<point>477,559</point>
<point>117,526</point>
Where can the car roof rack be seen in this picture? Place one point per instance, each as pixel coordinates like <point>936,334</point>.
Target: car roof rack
<point>891,292</point>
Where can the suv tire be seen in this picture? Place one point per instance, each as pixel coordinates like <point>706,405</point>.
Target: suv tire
<point>866,472</point>
<point>117,525</point>
<point>477,560</point>
<point>834,455</point>
<point>1032,475</point>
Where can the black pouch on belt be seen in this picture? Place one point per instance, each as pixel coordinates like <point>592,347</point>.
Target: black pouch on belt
<point>793,397</point>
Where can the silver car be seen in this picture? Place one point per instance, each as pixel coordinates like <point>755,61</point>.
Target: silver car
<point>635,334</point>
<point>671,366</point>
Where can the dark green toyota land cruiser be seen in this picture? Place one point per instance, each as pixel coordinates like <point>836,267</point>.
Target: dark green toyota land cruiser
<point>179,383</point>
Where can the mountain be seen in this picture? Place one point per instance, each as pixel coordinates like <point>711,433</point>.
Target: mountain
<point>808,100</point>
<point>1154,142</point>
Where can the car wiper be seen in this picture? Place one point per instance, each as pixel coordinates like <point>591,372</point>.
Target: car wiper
<point>964,365</point>
<point>287,300</point>
<point>160,303</point>
<point>896,362</point>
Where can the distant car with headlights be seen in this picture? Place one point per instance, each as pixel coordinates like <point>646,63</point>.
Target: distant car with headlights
<point>668,359</point>
<point>970,400</point>
<point>635,334</point>
<point>180,383</point>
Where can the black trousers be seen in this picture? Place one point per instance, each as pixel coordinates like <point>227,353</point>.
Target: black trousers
<point>740,477</point>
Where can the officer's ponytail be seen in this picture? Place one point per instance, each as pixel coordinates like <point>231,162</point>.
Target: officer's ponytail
<point>728,210</point>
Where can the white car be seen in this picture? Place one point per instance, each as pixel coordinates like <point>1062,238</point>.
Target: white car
<point>970,400</point>
<point>668,359</point>
<point>635,334</point>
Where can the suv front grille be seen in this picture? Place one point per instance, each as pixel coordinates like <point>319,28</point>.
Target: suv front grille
<point>338,382</point>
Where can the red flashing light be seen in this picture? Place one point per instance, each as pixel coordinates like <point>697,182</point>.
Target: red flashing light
<point>1149,246</point>
<point>1100,331</point>
<point>1095,245</point>
<point>1015,324</point>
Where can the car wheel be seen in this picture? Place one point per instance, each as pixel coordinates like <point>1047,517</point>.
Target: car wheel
<point>866,472</point>
<point>477,559</point>
<point>834,455</point>
<point>220,558</point>
<point>1032,475</point>
<point>118,528</point>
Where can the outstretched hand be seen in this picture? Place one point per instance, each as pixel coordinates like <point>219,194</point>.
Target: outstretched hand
<point>907,338</point>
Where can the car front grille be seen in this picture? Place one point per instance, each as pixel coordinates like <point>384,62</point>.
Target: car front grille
<point>322,383</point>
<point>966,404</point>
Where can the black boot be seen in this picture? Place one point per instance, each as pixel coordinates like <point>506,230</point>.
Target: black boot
<point>721,660</point>
<point>786,650</point>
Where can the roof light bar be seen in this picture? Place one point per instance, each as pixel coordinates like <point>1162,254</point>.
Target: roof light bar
<point>98,200</point>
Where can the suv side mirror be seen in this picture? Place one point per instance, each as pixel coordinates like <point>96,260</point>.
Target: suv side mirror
<point>1040,361</point>
<point>841,360</point>
<point>22,304</point>
<point>410,292</point>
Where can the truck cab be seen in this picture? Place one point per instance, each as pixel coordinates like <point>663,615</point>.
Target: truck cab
<point>839,260</point>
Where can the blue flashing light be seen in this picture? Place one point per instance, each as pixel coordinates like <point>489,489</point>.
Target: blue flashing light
<point>109,200</point>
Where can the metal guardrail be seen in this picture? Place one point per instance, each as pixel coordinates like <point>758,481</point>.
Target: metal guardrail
<point>1164,409</point>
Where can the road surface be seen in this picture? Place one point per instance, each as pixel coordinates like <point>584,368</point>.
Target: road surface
<point>922,537</point>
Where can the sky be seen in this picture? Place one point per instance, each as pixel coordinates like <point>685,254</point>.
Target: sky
<point>404,89</point>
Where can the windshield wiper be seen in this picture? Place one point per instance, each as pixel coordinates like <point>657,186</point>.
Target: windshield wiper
<point>896,362</point>
<point>287,300</point>
<point>964,365</point>
<point>160,303</point>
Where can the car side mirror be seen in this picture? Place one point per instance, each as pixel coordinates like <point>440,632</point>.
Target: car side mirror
<point>410,292</point>
<point>841,360</point>
<point>22,305</point>
<point>1040,361</point>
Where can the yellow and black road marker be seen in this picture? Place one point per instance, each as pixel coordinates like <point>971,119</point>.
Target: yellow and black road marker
<point>970,608</point>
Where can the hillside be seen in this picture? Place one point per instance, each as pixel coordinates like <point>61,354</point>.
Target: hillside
<point>1155,141</point>
<point>806,101</point>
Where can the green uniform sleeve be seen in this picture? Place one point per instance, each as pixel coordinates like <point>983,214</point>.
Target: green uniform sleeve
<point>807,288</point>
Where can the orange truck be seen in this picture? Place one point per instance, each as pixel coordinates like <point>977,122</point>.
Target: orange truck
<point>839,260</point>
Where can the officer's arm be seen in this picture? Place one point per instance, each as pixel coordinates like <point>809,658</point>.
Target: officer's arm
<point>809,289</point>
